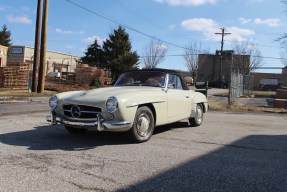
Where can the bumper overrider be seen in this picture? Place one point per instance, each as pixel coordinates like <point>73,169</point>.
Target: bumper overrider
<point>99,124</point>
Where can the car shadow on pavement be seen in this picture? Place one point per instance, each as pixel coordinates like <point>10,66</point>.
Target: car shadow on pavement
<point>255,163</point>
<point>56,137</point>
<point>172,126</point>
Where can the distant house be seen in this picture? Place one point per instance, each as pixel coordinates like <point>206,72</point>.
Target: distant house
<point>56,62</point>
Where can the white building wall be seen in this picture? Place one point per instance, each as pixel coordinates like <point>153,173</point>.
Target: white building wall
<point>55,61</point>
<point>3,55</point>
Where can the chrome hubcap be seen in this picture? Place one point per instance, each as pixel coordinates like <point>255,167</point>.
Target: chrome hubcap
<point>199,114</point>
<point>143,125</point>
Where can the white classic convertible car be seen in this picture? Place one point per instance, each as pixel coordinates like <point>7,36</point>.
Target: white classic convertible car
<point>139,101</point>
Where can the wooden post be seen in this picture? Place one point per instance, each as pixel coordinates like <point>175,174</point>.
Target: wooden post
<point>37,45</point>
<point>41,80</point>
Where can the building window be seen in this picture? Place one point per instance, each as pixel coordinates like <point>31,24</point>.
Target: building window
<point>17,50</point>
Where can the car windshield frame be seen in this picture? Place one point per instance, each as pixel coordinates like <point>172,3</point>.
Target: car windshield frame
<point>142,78</point>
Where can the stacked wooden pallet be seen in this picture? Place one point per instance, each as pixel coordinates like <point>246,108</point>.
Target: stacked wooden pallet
<point>15,75</point>
<point>281,99</point>
<point>85,75</point>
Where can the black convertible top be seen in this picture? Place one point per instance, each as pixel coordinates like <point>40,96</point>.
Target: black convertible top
<point>169,71</point>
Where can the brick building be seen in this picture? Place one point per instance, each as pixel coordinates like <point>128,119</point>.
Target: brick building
<point>209,69</point>
<point>282,78</point>
<point>216,68</point>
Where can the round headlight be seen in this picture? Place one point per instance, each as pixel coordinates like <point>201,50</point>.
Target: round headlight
<point>111,104</point>
<point>53,102</point>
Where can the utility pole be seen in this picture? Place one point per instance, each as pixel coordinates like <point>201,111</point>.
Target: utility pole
<point>42,66</point>
<point>221,50</point>
<point>37,45</point>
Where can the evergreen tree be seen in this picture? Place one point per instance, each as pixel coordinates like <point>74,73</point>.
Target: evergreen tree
<point>5,36</point>
<point>118,55</point>
<point>94,55</point>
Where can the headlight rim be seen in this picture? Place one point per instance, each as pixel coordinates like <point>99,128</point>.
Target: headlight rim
<point>56,102</point>
<point>115,106</point>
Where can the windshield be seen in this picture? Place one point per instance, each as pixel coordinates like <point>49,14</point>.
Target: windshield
<point>142,78</point>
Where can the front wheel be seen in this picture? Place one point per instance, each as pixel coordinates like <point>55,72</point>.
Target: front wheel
<point>143,125</point>
<point>197,120</point>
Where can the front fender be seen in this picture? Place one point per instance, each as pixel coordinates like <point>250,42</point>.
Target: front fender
<point>200,98</point>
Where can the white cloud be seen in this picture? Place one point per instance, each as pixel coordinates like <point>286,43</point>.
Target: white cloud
<point>209,27</point>
<point>23,19</point>
<point>272,22</point>
<point>68,32</point>
<point>238,34</point>
<point>244,20</point>
<point>186,2</point>
<point>92,39</point>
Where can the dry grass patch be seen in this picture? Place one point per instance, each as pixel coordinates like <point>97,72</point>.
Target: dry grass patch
<point>24,93</point>
<point>257,94</point>
<point>236,107</point>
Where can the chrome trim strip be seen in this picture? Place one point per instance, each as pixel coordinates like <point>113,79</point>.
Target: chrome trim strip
<point>97,124</point>
<point>80,119</point>
<point>94,112</point>
<point>115,125</point>
<point>80,124</point>
<point>134,105</point>
<point>82,105</point>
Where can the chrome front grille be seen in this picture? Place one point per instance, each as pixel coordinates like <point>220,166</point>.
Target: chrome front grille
<point>81,111</point>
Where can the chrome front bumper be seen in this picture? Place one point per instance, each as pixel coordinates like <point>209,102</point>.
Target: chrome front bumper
<point>99,125</point>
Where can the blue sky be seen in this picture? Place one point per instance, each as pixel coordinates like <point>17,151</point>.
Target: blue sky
<point>180,22</point>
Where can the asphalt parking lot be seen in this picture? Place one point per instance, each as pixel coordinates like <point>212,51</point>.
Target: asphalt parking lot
<point>229,152</point>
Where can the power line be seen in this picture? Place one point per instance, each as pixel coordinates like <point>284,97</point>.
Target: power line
<point>124,25</point>
<point>223,33</point>
<point>181,55</point>
<point>256,44</point>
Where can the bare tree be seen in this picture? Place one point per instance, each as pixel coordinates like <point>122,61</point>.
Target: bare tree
<point>154,54</point>
<point>247,48</point>
<point>283,55</point>
<point>191,57</point>
<point>283,41</point>
<point>283,38</point>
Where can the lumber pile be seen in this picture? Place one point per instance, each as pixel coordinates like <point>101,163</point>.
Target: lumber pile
<point>281,99</point>
<point>85,75</point>
<point>15,75</point>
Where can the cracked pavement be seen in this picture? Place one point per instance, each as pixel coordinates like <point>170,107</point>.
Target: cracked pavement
<point>229,152</point>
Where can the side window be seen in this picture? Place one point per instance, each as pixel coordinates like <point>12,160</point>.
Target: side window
<point>171,82</point>
<point>178,83</point>
<point>174,82</point>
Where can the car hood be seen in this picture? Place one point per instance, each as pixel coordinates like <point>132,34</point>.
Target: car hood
<point>100,95</point>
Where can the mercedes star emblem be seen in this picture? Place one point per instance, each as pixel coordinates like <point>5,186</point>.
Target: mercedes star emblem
<point>75,111</point>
